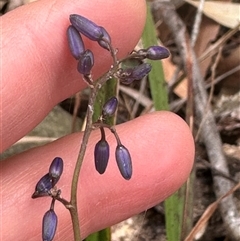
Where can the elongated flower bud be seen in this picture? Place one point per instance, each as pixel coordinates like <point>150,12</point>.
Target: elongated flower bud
<point>157,53</point>
<point>141,71</point>
<point>101,156</point>
<point>56,169</point>
<point>43,186</point>
<point>105,40</point>
<point>124,161</point>
<point>86,62</point>
<point>110,106</point>
<point>86,27</point>
<point>75,42</point>
<point>49,225</point>
<point>137,73</point>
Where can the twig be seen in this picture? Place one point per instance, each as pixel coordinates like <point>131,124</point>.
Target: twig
<point>217,172</point>
<point>213,68</point>
<point>208,213</point>
<point>197,23</point>
<point>209,131</point>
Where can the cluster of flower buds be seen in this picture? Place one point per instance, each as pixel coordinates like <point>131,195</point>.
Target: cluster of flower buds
<point>43,188</point>
<point>101,151</point>
<point>92,31</point>
<point>128,75</point>
<point>49,180</point>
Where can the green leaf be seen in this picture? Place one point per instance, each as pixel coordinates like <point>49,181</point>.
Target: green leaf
<point>174,205</point>
<point>156,76</point>
<point>103,235</point>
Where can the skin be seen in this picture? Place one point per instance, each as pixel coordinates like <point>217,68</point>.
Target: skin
<point>37,73</point>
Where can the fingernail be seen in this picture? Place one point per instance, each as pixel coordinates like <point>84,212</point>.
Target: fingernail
<point>124,161</point>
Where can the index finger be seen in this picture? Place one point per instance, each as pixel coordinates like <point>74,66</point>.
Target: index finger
<point>38,70</point>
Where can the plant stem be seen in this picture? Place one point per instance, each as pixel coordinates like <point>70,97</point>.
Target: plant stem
<point>73,201</point>
<point>94,90</point>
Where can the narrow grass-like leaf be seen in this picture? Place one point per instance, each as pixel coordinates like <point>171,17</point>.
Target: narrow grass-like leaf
<point>156,76</point>
<point>174,205</point>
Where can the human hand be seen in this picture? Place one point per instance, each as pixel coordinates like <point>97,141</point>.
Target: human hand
<point>39,72</point>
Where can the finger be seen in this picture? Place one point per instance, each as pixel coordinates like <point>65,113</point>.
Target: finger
<point>38,70</point>
<point>162,153</point>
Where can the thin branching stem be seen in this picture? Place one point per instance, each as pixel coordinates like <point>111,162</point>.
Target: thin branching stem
<point>93,94</point>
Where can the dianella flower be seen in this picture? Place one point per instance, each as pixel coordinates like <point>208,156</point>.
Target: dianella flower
<point>56,169</point>
<point>49,225</point>
<point>86,62</point>
<point>75,42</point>
<point>124,161</point>
<point>127,76</point>
<point>101,153</point>
<point>110,107</point>
<point>154,53</point>
<point>91,30</point>
<point>43,186</point>
<point>157,53</point>
<point>105,40</point>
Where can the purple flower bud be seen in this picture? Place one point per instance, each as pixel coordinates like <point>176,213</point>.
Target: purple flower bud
<point>137,73</point>
<point>86,62</point>
<point>157,52</point>
<point>75,42</point>
<point>101,156</point>
<point>86,27</point>
<point>124,161</point>
<point>141,71</point>
<point>49,225</point>
<point>110,106</point>
<point>56,169</point>
<point>105,40</point>
<point>43,186</point>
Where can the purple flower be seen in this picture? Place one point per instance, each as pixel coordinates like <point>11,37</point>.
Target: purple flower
<point>105,40</point>
<point>43,186</point>
<point>56,169</point>
<point>49,225</point>
<point>110,106</point>
<point>101,155</point>
<point>86,62</point>
<point>137,73</point>
<point>91,30</point>
<point>124,161</point>
<point>86,27</point>
<point>75,42</point>
<point>157,52</point>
